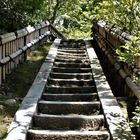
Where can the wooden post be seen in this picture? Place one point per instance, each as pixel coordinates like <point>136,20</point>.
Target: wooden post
<point>0,66</point>
<point>30,36</point>
<point>21,39</point>
<point>3,67</point>
<point>6,41</point>
<point>37,33</point>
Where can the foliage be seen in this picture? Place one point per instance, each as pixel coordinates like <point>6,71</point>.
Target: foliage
<point>135,121</point>
<point>130,50</point>
<point>70,14</point>
<point>67,15</point>
<point>75,33</point>
<point>16,14</point>
<point>123,13</point>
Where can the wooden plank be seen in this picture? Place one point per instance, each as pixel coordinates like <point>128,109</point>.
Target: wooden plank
<point>0,66</point>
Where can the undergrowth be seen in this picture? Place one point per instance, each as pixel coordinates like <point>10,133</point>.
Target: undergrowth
<point>17,85</point>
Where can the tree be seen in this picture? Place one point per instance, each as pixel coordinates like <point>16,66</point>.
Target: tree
<point>123,13</point>
<point>16,14</point>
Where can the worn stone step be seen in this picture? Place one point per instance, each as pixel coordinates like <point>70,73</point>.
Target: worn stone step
<point>57,107</point>
<point>71,57</point>
<point>72,40</point>
<point>72,50</point>
<point>70,82</point>
<point>77,58</point>
<point>78,76</point>
<point>73,43</point>
<point>73,54</point>
<point>71,47</point>
<point>61,46</point>
<point>68,122</point>
<point>71,70</point>
<point>70,89</point>
<point>70,97</point>
<point>72,60</point>
<point>67,135</point>
<point>72,65</point>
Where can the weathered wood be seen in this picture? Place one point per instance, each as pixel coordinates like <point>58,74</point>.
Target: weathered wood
<point>37,30</point>
<point>43,24</point>
<point>37,26</point>
<point>14,47</point>
<point>7,37</point>
<point>30,29</point>
<point>21,33</point>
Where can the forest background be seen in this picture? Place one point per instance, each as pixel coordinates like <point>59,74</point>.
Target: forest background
<point>71,17</point>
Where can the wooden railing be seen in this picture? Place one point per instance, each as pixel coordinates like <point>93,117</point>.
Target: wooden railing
<point>15,46</point>
<point>108,39</point>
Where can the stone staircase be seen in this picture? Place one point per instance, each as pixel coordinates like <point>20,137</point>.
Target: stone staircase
<point>69,107</point>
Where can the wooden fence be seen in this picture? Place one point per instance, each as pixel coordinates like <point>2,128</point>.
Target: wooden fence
<point>108,39</point>
<point>15,46</point>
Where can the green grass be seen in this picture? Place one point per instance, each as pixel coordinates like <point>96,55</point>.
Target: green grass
<point>17,85</point>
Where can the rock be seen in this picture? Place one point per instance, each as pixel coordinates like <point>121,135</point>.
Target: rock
<point>10,102</point>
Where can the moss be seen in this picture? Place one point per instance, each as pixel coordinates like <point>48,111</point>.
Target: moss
<point>3,132</point>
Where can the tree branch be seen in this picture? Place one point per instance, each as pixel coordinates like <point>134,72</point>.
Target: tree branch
<point>57,7</point>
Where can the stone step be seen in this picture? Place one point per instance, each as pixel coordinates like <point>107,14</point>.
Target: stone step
<point>70,57</point>
<point>70,46</point>
<point>61,46</point>
<point>70,89</point>
<point>70,97</point>
<point>73,42</point>
<point>71,65</point>
<point>71,70</point>
<point>73,54</point>
<point>68,122</point>
<point>68,50</point>
<point>69,82</point>
<point>57,107</point>
<point>77,58</point>
<point>67,135</point>
<point>72,60</point>
<point>78,76</point>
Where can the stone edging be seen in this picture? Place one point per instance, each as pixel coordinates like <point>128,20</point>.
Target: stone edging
<point>117,124</point>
